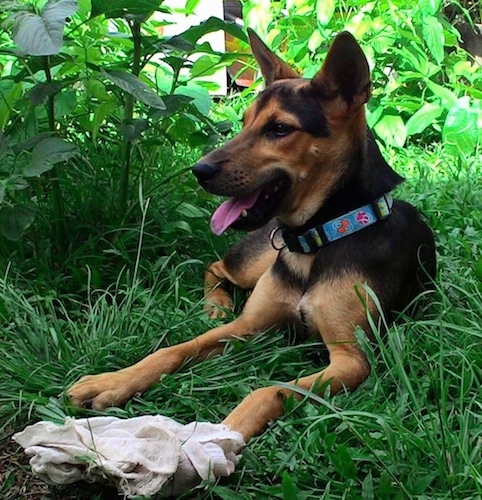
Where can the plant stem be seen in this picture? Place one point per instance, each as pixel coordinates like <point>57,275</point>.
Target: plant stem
<point>53,175</point>
<point>135,27</point>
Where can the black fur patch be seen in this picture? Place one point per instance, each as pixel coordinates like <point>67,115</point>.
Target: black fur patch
<point>301,103</point>
<point>286,275</point>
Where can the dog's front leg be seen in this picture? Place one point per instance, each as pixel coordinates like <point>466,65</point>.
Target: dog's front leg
<point>115,388</point>
<point>334,310</point>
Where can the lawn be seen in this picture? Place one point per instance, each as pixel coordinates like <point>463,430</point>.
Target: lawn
<point>413,430</point>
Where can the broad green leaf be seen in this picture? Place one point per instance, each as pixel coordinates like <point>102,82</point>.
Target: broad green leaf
<point>391,130</point>
<point>2,193</point>
<point>324,11</point>
<point>122,8</point>
<point>315,40</point>
<point>193,34</point>
<point>174,103</point>
<point>10,92</point>
<point>433,34</point>
<point>136,87</point>
<point>447,97</point>
<point>460,132</point>
<point>200,97</point>
<point>30,142</point>
<point>430,7</point>
<point>42,35</point>
<point>65,103</point>
<point>100,114</point>
<point>15,220</point>
<point>204,66</point>
<point>423,118</point>
<point>47,153</point>
<point>15,183</point>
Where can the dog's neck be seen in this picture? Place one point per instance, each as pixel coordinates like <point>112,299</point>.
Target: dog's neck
<point>367,178</point>
<point>359,199</point>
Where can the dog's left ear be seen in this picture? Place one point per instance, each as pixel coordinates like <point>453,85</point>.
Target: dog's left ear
<point>345,73</point>
<point>271,66</point>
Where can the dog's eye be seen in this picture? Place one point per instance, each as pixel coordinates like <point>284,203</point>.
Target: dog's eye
<point>278,129</point>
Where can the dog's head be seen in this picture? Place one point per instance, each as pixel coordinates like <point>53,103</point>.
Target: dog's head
<point>299,139</point>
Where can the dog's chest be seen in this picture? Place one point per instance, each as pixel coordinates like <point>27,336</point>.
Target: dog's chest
<point>301,277</point>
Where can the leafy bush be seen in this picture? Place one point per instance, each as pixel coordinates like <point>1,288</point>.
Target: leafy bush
<point>109,96</point>
<point>425,87</point>
<point>99,113</point>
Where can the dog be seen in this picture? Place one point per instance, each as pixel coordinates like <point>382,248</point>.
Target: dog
<point>307,181</point>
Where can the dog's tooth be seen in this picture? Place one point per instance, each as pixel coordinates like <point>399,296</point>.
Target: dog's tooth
<point>277,188</point>
<point>244,213</point>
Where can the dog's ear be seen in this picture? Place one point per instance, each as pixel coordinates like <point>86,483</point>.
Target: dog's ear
<point>345,73</point>
<point>271,66</point>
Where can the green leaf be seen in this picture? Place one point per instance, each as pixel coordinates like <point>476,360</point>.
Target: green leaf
<point>343,463</point>
<point>288,488</point>
<point>30,142</point>
<point>447,97</point>
<point>367,492</point>
<point>9,94</point>
<point>430,7</point>
<point>199,95</point>
<point>190,211</point>
<point>204,66</point>
<point>14,221</point>
<point>460,132</point>
<point>136,87</point>
<point>40,92</point>
<point>42,35</point>
<point>423,118</point>
<point>433,34</point>
<point>47,153</point>
<point>421,485</point>
<point>2,193</point>
<point>391,130</point>
<point>100,114</point>
<point>122,8</point>
<point>4,146</point>
<point>193,34</point>
<point>324,11</point>
<point>65,103</point>
<point>190,6</point>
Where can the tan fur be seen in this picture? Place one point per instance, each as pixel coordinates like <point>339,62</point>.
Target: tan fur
<point>330,308</point>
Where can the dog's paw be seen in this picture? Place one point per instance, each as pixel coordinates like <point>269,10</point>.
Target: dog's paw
<point>98,392</point>
<point>218,304</point>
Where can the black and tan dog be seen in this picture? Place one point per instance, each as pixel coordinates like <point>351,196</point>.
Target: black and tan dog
<point>306,177</point>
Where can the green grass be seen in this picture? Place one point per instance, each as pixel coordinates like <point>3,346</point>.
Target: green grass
<point>413,430</point>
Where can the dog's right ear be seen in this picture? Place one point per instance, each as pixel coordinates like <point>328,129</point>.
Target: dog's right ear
<point>271,66</point>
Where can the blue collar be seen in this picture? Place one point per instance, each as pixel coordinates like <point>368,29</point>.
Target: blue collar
<point>319,236</point>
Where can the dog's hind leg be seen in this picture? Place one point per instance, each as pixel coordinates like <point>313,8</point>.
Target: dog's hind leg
<point>243,265</point>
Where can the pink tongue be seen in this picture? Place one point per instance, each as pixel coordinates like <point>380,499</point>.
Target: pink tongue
<point>230,211</point>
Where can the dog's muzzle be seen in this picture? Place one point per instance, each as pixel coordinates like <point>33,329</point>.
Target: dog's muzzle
<point>205,172</point>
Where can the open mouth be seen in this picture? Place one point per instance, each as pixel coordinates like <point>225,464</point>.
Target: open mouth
<point>254,210</point>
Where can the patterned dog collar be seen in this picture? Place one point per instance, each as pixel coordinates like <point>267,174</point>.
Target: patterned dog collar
<point>319,236</point>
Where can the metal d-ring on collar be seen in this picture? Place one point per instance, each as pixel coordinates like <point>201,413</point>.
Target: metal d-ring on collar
<point>272,236</point>
<point>316,237</point>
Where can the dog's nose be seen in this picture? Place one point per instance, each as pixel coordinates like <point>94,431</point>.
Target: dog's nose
<point>204,171</point>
